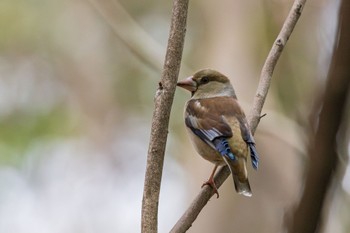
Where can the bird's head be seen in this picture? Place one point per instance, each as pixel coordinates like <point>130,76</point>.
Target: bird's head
<point>207,83</point>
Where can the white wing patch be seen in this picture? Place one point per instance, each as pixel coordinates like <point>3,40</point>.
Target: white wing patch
<point>211,133</point>
<point>197,104</point>
<point>193,121</point>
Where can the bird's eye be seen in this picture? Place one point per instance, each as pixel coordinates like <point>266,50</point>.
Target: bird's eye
<point>204,80</point>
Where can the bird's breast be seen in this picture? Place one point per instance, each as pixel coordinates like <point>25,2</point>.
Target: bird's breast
<point>205,150</point>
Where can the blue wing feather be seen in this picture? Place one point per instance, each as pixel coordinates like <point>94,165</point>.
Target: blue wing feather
<point>254,155</point>
<point>221,145</point>
<point>202,135</point>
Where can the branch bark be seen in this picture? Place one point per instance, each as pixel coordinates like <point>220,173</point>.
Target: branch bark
<point>159,131</point>
<point>323,149</point>
<point>190,215</point>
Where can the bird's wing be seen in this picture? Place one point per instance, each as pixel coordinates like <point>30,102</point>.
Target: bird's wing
<point>247,136</point>
<point>207,119</point>
<point>210,126</point>
<point>249,139</point>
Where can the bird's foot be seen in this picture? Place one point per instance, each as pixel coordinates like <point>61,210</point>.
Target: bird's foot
<point>211,183</point>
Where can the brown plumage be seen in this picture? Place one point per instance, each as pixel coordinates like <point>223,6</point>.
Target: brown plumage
<point>218,127</point>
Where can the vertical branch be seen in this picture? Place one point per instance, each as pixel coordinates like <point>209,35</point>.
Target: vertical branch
<point>159,131</point>
<point>190,215</point>
<point>323,147</point>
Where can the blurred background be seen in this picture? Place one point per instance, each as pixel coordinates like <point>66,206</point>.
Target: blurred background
<point>77,81</point>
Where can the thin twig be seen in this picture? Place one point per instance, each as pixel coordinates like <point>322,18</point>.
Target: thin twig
<point>185,222</point>
<point>159,131</point>
<point>271,61</point>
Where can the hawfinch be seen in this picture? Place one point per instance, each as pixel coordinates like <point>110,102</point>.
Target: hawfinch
<point>218,127</point>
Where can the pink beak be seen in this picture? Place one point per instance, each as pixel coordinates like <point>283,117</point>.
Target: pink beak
<point>188,84</point>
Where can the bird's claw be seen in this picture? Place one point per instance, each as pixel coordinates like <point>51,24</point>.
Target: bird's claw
<point>211,183</point>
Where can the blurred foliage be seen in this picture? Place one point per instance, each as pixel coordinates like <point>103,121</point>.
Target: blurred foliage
<point>20,130</point>
<point>22,24</point>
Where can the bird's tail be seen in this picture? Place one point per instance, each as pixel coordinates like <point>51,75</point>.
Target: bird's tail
<point>240,176</point>
<point>242,187</point>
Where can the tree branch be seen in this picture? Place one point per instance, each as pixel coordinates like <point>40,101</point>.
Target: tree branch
<point>185,222</point>
<point>323,147</point>
<point>271,61</point>
<point>131,34</point>
<point>159,131</point>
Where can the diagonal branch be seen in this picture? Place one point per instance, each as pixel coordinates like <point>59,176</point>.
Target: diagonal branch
<point>185,222</point>
<point>131,34</point>
<point>159,131</point>
<point>271,61</point>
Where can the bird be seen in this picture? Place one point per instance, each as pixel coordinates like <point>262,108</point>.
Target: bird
<point>218,128</point>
